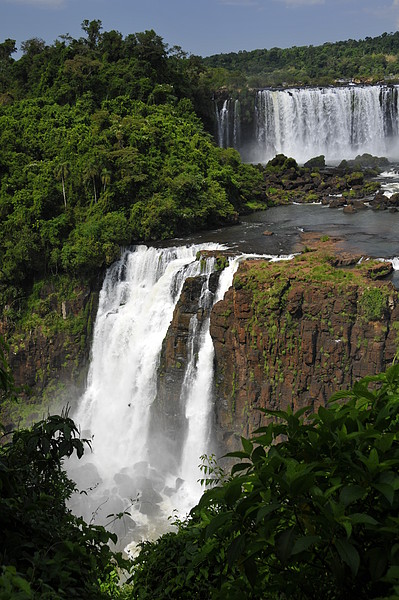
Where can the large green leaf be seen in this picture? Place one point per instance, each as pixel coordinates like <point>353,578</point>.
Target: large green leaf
<point>284,544</point>
<point>348,554</point>
<point>304,543</point>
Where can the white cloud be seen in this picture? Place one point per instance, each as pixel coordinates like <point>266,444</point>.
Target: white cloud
<point>39,3</point>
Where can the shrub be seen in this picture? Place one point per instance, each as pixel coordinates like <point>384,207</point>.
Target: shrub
<point>310,510</point>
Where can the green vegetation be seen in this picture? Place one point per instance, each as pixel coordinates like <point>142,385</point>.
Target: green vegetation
<point>369,60</point>
<point>374,302</point>
<point>101,147</point>
<point>103,143</point>
<point>309,510</point>
<point>309,507</point>
<point>317,263</point>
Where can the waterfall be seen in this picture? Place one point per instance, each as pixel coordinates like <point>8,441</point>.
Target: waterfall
<point>223,124</point>
<point>121,474</point>
<point>228,120</point>
<point>303,123</point>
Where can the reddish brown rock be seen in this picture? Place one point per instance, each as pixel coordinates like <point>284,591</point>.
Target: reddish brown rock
<point>290,334</point>
<point>49,361</point>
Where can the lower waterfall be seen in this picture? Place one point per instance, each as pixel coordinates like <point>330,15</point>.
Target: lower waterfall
<point>133,468</point>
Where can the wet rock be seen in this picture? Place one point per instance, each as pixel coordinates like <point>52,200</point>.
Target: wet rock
<point>393,201</point>
<point>337,202</point>
<point>379,202</point>
<point>300,340</point>
<point>359,205</point>
<point>316,161</point>
<point>350,209</point>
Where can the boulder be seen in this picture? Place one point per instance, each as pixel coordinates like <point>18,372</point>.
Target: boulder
<point>337,202</point>
<point>316,162</point>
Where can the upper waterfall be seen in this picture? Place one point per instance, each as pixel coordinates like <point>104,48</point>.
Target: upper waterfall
<point>338,122</point>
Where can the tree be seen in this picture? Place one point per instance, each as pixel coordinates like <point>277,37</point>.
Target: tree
<point>33,46</point>
<point>91,171</point>
<point>93,29</point>
<point>105,178</point>
<point>309,510</point>
<point>7,48</point>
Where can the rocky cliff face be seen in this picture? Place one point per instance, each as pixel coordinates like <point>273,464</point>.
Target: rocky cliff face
<point>288,333</point>
<point>49,347</point>
<point>292,333</point>
<point>179,346</point>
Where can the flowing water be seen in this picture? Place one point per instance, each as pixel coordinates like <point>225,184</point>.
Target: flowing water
<point>135,309</point>
<point>306,122</point>
<point>134,468</point>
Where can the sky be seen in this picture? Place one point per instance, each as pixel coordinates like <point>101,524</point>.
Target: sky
<point>205,27</point>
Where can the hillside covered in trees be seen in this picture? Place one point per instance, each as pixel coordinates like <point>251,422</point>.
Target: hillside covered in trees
<point>369,61</point>
<point>101,145</point>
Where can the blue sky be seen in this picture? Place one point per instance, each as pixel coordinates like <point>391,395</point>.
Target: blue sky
<point>205,26</point>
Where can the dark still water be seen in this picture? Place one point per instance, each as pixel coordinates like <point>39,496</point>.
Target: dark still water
<point>370,233</point>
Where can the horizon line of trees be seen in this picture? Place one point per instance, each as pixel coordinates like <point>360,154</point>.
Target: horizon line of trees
<point>369,60</point>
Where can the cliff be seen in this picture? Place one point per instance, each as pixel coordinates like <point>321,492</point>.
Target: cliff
<point>49,346</point>
<point>178,349</point>
<point>286,333</point>
<point>291,333</point>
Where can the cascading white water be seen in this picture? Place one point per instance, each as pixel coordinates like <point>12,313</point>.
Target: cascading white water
<point>223,124</point>
<point>303,123</point>
<point>336,122</point>
<point>199,387</point>
<point>237,124</point>
<point>135,309</point>
<point>134,468</point>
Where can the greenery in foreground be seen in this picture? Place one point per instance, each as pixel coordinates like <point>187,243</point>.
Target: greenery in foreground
<point>45,551</point>
<point>310,509</point>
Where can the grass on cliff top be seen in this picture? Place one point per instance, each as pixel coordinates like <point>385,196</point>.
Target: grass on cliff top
<point>313,266</point>
<point>270,282</point>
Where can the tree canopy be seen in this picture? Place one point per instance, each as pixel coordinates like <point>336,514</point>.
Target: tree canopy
<point>101,147</point>
<point>369,60</point>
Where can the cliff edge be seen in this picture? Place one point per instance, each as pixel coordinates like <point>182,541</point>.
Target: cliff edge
<point>291,333</point>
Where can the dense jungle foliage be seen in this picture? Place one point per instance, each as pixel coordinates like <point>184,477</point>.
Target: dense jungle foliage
<point>100,146</point>
<point>309,509</point>
<point>369,60</point>
<point>104,142</point>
